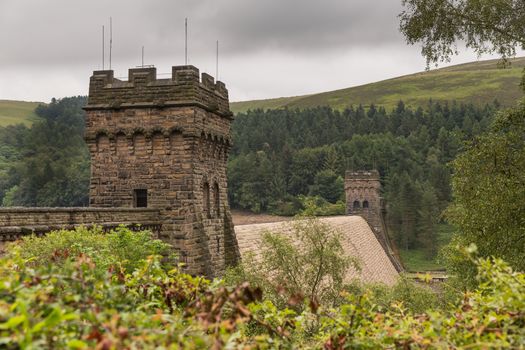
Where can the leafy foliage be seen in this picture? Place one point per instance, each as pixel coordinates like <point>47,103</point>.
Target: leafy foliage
<point>73,305</point>
<point>309,261</point>
<point>50,162</point>
<point>485,26</point>
<point>281,158</point>
<point>119,246</point>
<point>489,194</point>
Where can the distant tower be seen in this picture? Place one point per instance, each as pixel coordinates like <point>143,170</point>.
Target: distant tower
<point>164,144</point>
<point>363,196</point>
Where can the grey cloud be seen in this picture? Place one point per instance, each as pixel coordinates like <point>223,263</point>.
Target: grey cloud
<point>54,32</point>
<point>269,48</point>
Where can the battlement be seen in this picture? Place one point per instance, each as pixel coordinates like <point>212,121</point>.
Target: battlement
<point>362,175</point>
<point>143,90</point>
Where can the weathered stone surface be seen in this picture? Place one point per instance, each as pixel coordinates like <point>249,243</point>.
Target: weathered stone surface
<point>162,143</point>
<point>170,137</point>
<point>17,222</point>
<point>363,198</point>
<point>358,241</point>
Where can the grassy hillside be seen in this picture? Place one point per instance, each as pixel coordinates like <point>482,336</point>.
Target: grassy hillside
<point>15,112</point>
<point>477,82</point>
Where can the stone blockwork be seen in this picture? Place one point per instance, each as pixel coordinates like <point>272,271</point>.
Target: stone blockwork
<point>164,144</point>
<point>357,240</point>
<point>18,222</point>
<point>363,196</point>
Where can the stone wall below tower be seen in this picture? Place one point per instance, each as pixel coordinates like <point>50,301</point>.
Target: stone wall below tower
<point>17,222</point>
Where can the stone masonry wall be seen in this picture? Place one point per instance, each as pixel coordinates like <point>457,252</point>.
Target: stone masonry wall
<point>363,198</point>
<point>18,222</point>
<point>364,189</point>
<point>170,137</point>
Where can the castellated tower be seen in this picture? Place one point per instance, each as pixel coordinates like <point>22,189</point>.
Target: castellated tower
<point>363,197</point>
<point>164,144</point>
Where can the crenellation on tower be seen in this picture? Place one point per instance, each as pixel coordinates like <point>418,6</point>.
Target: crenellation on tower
<point>185,88</point>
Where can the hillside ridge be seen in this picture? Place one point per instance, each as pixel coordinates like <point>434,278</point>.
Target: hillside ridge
<point>17,112</point>
<point>477,82</point>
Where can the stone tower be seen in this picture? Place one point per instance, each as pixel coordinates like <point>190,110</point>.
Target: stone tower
<point>363,197</point>
<point>163,144</point>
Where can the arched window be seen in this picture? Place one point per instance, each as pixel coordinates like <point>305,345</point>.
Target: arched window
<point>206,199</point>
<point>365,204</point>
<point>176,142</point>
<point>139,144</point>
<point>102,143</point>
<point>357,205</point>
<point>216,199</point>
<point>157,143</point>
<point>121,143</point>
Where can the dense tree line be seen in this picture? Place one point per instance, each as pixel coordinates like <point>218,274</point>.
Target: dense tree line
<point>47,164</point>
<point>280,155</point>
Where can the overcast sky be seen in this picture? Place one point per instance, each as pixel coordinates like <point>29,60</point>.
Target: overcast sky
<point>268,48</point>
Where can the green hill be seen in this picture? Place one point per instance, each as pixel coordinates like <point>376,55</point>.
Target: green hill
<point>16,112</point>
<point>476,82</point>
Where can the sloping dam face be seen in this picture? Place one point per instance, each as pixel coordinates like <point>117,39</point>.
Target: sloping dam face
<point>357,238</point>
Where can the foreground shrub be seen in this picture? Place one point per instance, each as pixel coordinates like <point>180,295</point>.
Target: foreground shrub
<point>489,196</point>
<point>415,297</point>
<point>309,261</point>
<point>119,246</point>
<point>72,305</point>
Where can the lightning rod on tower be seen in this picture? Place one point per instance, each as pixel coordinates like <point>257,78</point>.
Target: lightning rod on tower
<point>103,53</point>
<point>110,40</point>
<point>217,63</point>
<point>186,41</point>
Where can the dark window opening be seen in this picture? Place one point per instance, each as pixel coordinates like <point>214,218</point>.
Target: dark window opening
<point>365,204</point>
<point>217,200</point>
<point>140,198</point>
<point>356,205</point>
<point>206,199</point>
<point>218,244</point>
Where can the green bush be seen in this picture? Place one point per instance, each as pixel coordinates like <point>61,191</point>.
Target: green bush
<point>119,246</point>
<point>489,197</point>
<point>317,206</point>
<point>309,261</point>
<point>77,305</point>
<point>289,206</point>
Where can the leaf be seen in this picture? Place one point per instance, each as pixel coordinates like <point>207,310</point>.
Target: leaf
<point>13,322</point>
<point>54,318</point>
<point>77,344</point>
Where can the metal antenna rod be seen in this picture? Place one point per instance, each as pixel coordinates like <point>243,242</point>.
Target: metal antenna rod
<point>110,40</point>
<point>103,53</point>
<point>142,56</point>
<point>186,41</point>
<point>217,63</point>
